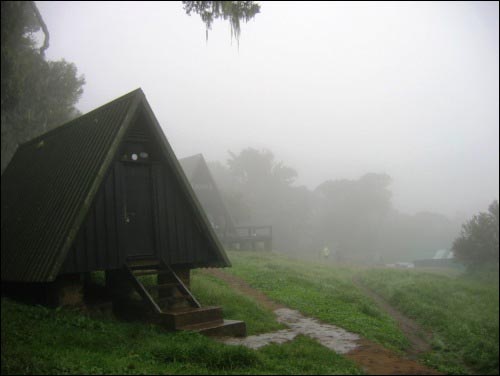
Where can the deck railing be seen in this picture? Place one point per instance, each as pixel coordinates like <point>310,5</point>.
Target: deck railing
<point>249,237</point>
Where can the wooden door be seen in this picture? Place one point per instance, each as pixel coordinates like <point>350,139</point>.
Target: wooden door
<point>138,212</point>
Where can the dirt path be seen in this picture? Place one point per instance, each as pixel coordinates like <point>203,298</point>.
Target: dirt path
<point>241,285</point>
<point>372,357</point>
<point>419,339</point>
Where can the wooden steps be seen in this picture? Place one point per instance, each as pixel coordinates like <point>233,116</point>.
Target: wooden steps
<point>193,316</point>
<point>174,305</point>
<point>226,328</point>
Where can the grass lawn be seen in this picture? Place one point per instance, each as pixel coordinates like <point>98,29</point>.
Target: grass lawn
<point>39,340</point>
<point>461,311</point>
<point>320,291</point>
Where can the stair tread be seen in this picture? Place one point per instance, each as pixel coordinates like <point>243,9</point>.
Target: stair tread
<point>206,325</point>
<point>186,310</point>
<point>143,263</point>
<point>141,272</point>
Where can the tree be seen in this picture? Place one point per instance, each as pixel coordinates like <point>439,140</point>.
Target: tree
<point>234,11</point>
<point>477,245</point>
<point>349,215</point>
<point>259,190</point>
<point>36,95</point>
<point>253,168</point>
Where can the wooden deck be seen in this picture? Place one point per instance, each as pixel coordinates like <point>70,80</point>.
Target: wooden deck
<point>250,238</point>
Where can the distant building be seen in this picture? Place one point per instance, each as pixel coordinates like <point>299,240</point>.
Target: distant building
<point>443,254</point>
<point>205,188</point>
<point>442,258</point>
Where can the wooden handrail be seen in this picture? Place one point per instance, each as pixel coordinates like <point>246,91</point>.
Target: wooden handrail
<point>183,287</point>
<point>142,290</point>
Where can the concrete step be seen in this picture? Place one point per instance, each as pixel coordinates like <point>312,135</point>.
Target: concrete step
<point>226,328</point>
<point>192,316</point>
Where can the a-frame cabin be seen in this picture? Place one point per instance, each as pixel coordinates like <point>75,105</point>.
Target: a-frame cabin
<point>196,169</point>
<point>105,192</point>
<point>240,237</point>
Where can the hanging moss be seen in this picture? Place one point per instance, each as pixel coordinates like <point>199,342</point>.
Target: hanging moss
<point>234,11</point>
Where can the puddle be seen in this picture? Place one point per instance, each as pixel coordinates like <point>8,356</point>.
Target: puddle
<point>258,341</point>
<point>330,336</point>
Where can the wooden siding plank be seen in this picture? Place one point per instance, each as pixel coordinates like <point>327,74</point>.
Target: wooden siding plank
<point>90,243</point>
<point>172,228</point>
<point>162,224</point>
<point>82,250</point>
<point>155,209</point>
<point>181,246</point>
<point>102,258</point>
<point>119,211</point>
<point>110,212</point>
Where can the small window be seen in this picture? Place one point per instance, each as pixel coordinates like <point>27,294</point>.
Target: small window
<point>144,155</point>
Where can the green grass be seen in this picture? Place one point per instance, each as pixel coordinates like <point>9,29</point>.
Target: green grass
<point>320,291</point>
<point>210,291</point>
<point>236,306</point>
<point>38,340</point>
<point>461,310</point>
<point>462,313</point>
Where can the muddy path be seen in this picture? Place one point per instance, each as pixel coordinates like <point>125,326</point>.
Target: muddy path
<point>373,358</point>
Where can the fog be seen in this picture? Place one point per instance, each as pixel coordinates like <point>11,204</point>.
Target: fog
<point>334,90</point>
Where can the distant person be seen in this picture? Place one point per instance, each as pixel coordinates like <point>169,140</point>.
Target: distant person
<point>325,252</point>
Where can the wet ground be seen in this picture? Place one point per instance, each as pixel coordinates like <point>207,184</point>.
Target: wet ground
<point>333,337</point>
<point>372,357</point>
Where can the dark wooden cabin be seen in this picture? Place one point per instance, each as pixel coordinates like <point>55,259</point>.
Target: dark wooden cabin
<point>105,192</point>
<point>205,188</point>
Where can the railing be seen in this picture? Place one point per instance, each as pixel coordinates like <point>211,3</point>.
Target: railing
<point>249,237</point>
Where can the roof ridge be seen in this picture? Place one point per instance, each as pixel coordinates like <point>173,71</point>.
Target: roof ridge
<point>71,122</point>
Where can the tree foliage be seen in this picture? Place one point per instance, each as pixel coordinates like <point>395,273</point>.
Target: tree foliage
<point>477,245</point>
<point>36,94</point>
<point>259,190</point>
<point>354,218</point>
<point>234,11</point>
<point>350,214</point>
<point>254,167</point>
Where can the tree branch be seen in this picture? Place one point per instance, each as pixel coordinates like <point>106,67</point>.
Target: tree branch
<point>43,26</point>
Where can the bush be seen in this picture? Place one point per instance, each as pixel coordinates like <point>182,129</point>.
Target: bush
<point>477,246</point>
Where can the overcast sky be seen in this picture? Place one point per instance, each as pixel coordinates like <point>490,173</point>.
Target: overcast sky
<point>334,90</point>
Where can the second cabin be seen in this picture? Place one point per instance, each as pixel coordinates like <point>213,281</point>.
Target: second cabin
<point>234,237</point>
<point>105,192</point>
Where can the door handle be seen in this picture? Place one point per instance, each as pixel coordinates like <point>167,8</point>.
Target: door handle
<point>129,216</point>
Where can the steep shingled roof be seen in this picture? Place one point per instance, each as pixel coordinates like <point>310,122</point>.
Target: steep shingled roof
<point>51,181</point>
